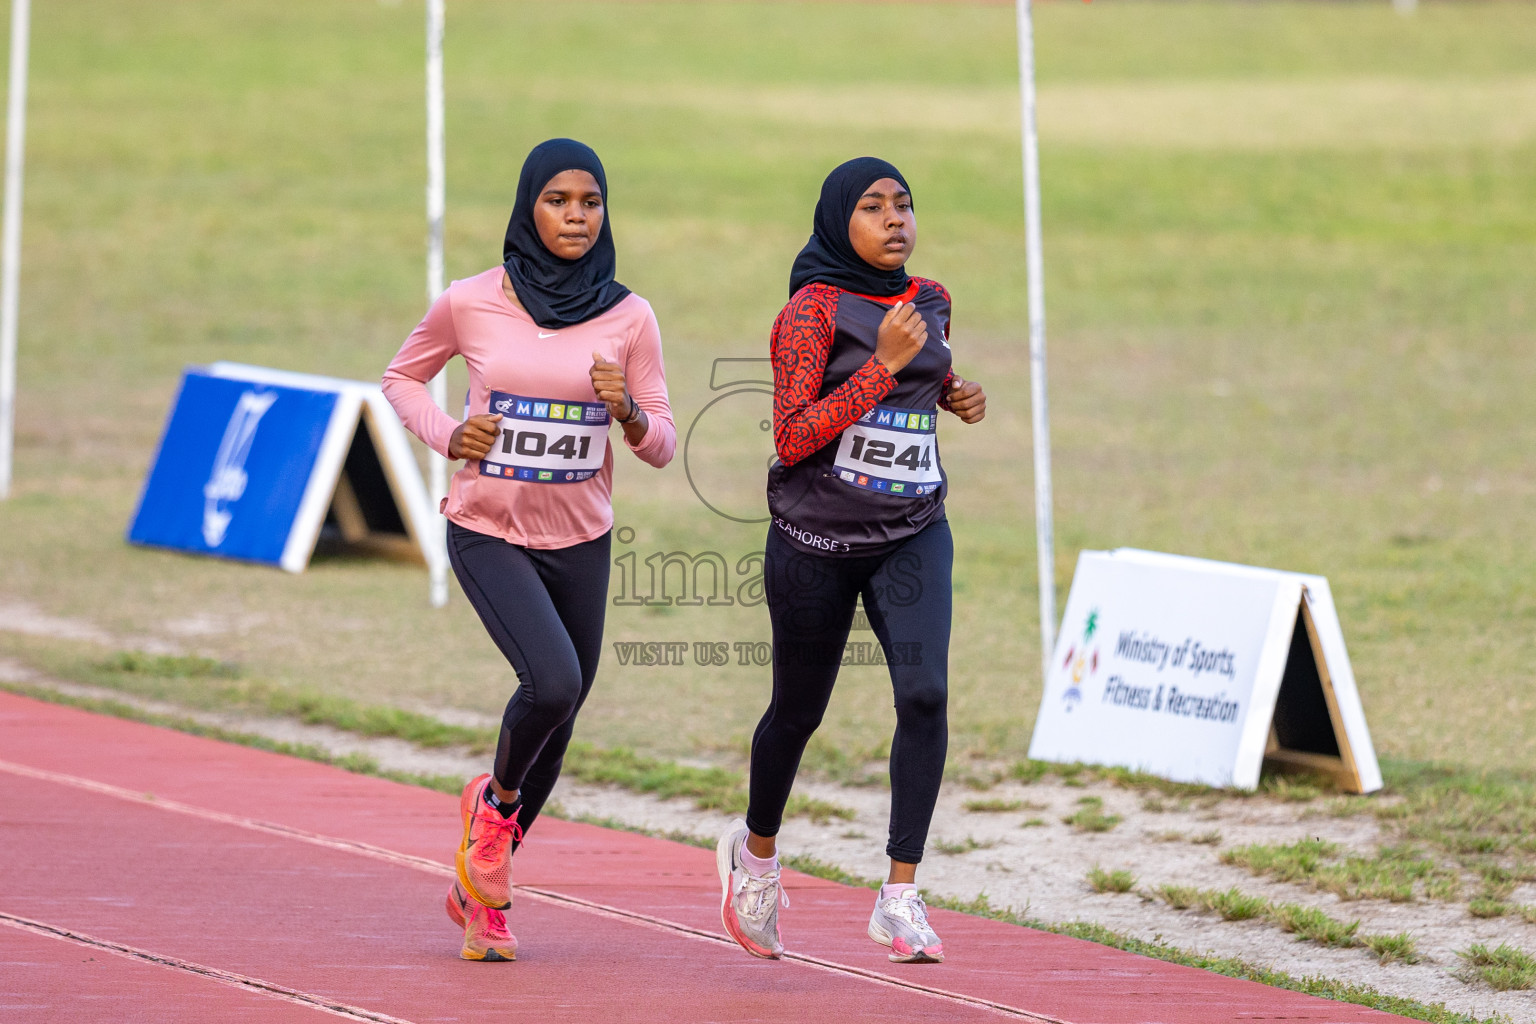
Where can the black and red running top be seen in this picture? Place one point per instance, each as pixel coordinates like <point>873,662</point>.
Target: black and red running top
<point>858,466</point>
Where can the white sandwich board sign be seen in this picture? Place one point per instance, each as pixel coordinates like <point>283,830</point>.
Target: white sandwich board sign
<point>258,464</point>
<point>1197,671</point>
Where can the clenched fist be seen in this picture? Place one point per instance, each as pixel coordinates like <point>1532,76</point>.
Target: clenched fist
<point>902,335</point>
<point>473,438</point>
<point>967,400</point>
<point>609,386</point>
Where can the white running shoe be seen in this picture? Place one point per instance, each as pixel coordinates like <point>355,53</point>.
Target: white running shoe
<point>901,922</point>
<point>749,904</point>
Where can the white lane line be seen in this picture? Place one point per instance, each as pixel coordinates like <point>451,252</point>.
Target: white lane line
<point>541,895</point>
<point>832,966</point>
<point>230,978</point>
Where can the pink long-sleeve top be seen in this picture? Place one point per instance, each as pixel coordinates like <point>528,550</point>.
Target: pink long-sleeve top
<point>508,354</point>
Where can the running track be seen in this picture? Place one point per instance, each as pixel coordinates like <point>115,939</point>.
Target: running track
<point>147,875</point>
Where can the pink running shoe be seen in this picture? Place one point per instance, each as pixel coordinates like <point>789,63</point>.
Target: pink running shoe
<point>485,930</point>
<point>485,853</point>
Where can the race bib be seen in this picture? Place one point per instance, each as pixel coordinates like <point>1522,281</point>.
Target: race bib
<point>546,441</point>
<point>891,450</point>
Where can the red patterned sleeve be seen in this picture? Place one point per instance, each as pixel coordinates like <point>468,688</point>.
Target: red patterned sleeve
<point>801,340</point>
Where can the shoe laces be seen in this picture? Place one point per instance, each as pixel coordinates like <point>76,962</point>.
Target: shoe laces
<point>759,893</point>
<point>909,906</point>
<point>496,922</point>
<point>498,831</point>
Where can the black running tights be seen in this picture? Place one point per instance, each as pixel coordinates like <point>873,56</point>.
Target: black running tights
<point>544,609</point>
<point>811,600</point>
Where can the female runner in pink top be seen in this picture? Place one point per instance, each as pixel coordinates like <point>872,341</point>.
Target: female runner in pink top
<point>556,349</point>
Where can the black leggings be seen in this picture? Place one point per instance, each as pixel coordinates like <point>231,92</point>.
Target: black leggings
<point>811,600</point>
<point>544,609</point>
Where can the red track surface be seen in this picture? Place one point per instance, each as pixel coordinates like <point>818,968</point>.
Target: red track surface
<point>150,875</point>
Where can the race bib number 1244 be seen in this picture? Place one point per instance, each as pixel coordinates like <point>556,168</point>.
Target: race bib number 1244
<point>546,441</point>
<point>891,450</point>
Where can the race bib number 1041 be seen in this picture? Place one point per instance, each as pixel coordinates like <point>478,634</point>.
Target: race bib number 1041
<point>891,450</point>
<point>546,441</point>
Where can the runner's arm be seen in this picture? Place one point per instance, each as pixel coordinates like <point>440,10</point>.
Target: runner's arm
<point>645,377</point>
<point>425,352</point>
<point>801,340</point>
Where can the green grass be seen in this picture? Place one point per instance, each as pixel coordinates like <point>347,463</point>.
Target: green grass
<point>1399,948</point>
<point>1503,968</point>
<point>955,847</point>
<point>993,806</point>
<point>1090,816</point>
<point>1179,897</point>
<point>1233,904</point>
<point>1290,862</point>
<point>1306,923</point>
<point>1487,906</point>
<point>171,666</point>
<point>1291,790</point>
<point>1118,880</point>
<point>1289,332</point>
<point>1315,925</point>
<point>1483,820</point>
<point>1396,873</point>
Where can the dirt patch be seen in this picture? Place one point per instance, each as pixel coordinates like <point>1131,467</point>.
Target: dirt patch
<point>19,617</point>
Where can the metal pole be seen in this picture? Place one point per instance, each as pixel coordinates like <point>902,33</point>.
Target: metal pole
<point>1044,534</point>
<point>435,204</point>
<point>10,248</point>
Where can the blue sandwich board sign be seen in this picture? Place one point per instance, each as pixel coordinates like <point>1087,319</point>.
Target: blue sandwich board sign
<point>255,463</point>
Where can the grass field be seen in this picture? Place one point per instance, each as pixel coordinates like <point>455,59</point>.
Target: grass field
<point>1289,286</point>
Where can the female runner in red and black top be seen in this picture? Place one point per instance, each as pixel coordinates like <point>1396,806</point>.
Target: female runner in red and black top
<point>861,364</point>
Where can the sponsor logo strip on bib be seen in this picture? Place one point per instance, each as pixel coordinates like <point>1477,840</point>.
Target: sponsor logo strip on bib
<point>543,440</point>
<point>891,450</point>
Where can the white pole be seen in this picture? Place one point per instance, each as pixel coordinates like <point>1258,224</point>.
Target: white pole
<point>1045,546</point>
<point>10,273</point>
<point>435,204</point>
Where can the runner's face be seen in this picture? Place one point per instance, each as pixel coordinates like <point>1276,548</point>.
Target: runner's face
<point>883,228</point>
<point>569,214</point>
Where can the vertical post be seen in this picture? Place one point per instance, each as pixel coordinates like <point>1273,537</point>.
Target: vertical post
<point>1045,546</point>
<point>436,202</point>
<point>10,247</point>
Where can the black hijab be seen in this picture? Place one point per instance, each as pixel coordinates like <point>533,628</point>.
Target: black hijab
<point>829,257</point>
<point>558,292</point>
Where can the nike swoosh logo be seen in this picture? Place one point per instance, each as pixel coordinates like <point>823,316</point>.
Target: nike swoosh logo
<point>550,335</point>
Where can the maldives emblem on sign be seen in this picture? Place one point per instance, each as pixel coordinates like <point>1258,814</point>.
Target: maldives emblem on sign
<point>1083,659</point>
